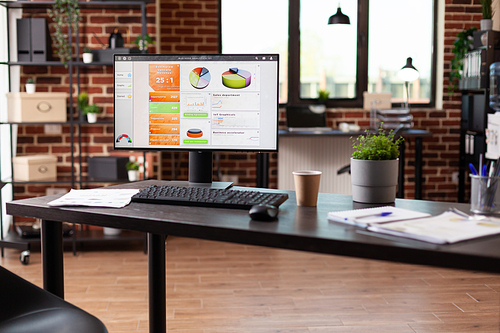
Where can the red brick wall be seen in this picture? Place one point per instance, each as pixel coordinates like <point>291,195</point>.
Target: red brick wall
<point>191,26</point>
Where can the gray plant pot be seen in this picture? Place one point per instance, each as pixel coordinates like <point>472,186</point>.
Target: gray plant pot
<point>374,181</point>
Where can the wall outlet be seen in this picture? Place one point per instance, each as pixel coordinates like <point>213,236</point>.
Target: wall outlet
<point>230,178</point>
<point>454,177</point>
<point>52,129</point>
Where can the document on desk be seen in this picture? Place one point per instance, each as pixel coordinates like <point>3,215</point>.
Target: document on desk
<point>113,198</point>
<point>377,215</point>
<point>446,228</point>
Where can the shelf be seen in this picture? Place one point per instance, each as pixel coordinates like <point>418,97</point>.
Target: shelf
<point>75,122</point>
<point>82,4</point>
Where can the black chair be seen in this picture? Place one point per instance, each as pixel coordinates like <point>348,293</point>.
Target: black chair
<point>26,308</point>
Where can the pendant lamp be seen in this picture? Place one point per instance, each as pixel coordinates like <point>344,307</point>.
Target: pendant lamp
<point>339,18</point>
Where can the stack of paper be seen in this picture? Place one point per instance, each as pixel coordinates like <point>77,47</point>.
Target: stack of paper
<point>113,198</point>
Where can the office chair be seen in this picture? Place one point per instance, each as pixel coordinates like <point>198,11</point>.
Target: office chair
<point>26,308</point>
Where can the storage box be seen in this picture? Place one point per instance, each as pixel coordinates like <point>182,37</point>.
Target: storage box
<point>35,167</point>
<point>37,107</point>
<point>108,168</point>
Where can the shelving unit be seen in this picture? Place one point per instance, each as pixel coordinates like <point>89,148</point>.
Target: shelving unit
<point>13,240</point>
<point>475,88</point>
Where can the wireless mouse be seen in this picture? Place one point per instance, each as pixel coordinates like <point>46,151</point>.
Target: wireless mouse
<point>263,212</point>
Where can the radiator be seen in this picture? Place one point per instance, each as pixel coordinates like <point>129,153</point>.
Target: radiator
<point>324,153</point>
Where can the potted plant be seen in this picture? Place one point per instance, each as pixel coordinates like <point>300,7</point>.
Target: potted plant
<point>133,170</point>
<point>90,110</point>
<point>322,98</point>
<point>143,42</point>
<point>487,22</point>
<point>30,86</point>
<point>66,15</point>
<point>87,55</point>
<point>461,46</point>
<point>374,167</point>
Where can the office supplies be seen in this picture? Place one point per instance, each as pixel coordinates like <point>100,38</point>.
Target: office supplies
<point>472,169</point>
<point>448,227</point>
<point>263,212</point>
<point>207,197</point>
<point>368,216</point>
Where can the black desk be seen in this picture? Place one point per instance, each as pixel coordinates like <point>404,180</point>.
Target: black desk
<point>407,133</point>
<point>298,228</point>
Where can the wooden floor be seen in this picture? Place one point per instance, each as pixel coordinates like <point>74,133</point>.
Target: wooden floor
<point>225,288</point>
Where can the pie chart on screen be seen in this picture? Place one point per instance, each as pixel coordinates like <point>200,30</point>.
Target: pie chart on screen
<point>199,77</point>
<point>236,78</point>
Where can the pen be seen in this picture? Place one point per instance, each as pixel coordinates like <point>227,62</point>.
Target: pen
<point>484,171</point>
<point>472,169</point>
<point>372,215</point>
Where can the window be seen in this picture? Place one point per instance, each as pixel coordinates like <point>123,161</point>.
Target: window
<point>346,60</point>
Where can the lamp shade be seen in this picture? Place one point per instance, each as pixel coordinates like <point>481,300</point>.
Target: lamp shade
<point>408,73</point>
<point>339,18</point>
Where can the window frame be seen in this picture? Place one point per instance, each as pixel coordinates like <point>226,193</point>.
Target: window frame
<point>361,61</point>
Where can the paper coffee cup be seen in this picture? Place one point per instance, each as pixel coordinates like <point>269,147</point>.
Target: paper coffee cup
<point>307,187</point>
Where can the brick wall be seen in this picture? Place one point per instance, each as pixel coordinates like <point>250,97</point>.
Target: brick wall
<point>191,26</point>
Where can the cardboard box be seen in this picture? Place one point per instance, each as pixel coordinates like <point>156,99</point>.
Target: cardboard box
<point>108,168</point>
<point>381,100</point>
<point>35,167</point>
<point>38,107</point>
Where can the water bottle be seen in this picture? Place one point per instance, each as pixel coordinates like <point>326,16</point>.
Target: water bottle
<point>494,87</point>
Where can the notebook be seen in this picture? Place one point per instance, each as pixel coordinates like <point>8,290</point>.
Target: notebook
<point>377,215</point>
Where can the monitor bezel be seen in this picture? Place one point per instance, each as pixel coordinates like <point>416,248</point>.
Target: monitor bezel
<point>198,58</point>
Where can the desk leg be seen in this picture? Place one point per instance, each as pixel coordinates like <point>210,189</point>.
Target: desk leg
<point>157,284</point>
<point>418,168</point>
<point>52,257</point>
<point>401,174</point>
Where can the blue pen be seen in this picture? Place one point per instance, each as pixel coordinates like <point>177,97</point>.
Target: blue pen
<point>372,215</point>
<point>472,169</point>
<point>484,171</point>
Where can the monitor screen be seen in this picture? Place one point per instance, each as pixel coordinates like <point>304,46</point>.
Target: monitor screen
<point>196,102</point>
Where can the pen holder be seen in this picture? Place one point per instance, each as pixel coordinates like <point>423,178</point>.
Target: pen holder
<point>484,197</point>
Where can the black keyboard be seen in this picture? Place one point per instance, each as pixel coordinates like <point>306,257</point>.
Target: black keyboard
<point>207,197</point>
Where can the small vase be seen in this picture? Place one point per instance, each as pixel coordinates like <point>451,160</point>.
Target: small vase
<point>111,231</point>
<point>133,175</point>
<point>30,88</point>
<point>91,117</point>
<point>486,24</point>
<point>374,181</point>
<point>87,57</point>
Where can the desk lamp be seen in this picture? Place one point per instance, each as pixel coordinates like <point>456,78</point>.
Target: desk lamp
<point>408,74</point>
<point>339,18</point>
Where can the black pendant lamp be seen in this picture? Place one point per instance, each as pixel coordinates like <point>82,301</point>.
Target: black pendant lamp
<point>339,18</point>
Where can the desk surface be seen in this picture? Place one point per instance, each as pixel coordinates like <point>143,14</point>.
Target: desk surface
<point>298,228</point>
<point>406,132</point>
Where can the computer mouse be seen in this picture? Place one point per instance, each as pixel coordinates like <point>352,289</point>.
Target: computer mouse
<point>263,212</point>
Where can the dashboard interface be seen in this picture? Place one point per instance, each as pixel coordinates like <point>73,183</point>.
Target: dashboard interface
<point>196,102</point>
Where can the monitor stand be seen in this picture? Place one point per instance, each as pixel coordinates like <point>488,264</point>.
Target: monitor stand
<point>200,170</point>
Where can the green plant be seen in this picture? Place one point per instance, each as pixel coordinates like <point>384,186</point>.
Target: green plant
<point>487,9</point>
<point>86,50</point>
<point>376,146</point>
<point>93,108</point>
<point>66,15</point>
<point>30,81</point>
<point>143,43</point>
<point>461,46</point>
<point>323,95</point>
<point>132,165</point>
<point>83,100</point>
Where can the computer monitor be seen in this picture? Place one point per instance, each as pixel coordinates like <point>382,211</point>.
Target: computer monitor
<point>196,103</point>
